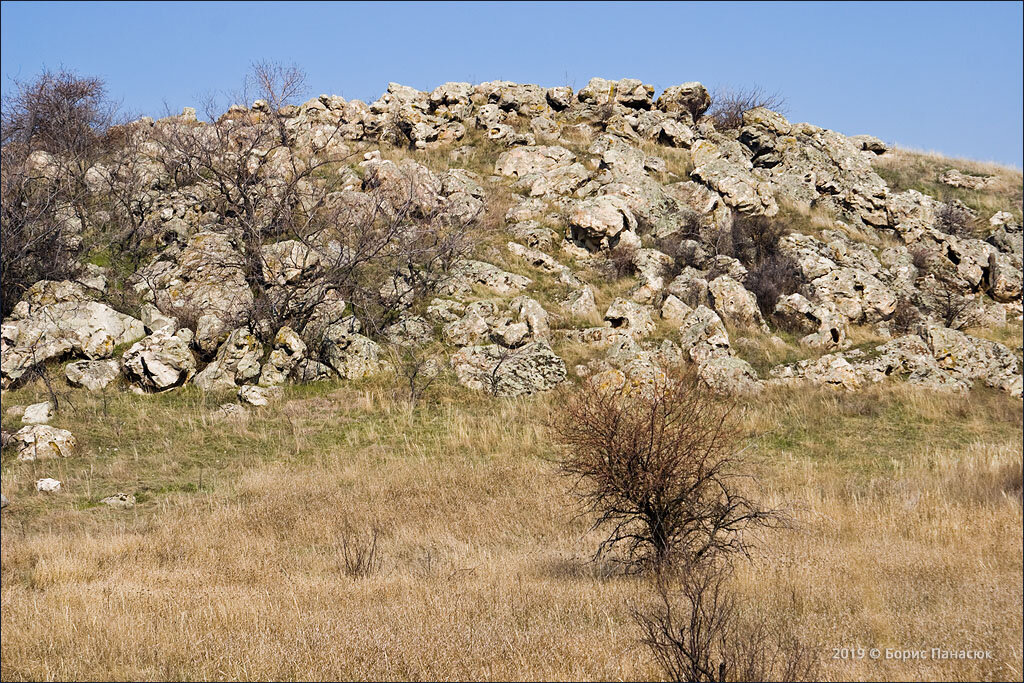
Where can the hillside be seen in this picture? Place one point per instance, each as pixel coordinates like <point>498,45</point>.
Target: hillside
<point>308,327</point>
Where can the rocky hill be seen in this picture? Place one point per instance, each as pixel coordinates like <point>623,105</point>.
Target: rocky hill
<point>517,235</point>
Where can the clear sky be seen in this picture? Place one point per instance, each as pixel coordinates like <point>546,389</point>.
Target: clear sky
<point>935,76</point>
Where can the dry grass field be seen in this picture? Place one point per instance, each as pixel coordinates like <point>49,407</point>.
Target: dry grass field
<point>908,534</point>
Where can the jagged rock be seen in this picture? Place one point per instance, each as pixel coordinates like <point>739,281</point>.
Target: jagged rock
<point>206,276</point>
<point>629,92</point>
<point>970,358</point>
<point>533,314</point>
<point>48,485</point>
<point>703,336</point>
<point>580,303</point>
<point>1007,236</point>
<point>38,413</point>
<point>732,179</point>
<point>465,274</point>
<point>533,234</point>
<point>630,317</point>
<point>651,266</point>
<point>351,355</point>
<point>955,178</point>
<point>120,501</point>
<point>43,442</point>
<point>92,374</point>
<point>237,362</point>
<point>288,262</point>
<point>160,361</point>
<point>858,295</point>
<point>288,351</point>
<point>310,370</point>
<point>153,319</point>
<point>503,372</point>
<point>1005,276</point>
<point>255,395</point>
<point>410,331</point>
<point>729,375</point>
<point>468,330</point>
<point>690,287</point>
<point>735,304</point>
<point>599,223</point>
<point>674,310</point>
<point>56,321</point>
<point>832,370</point>
<point>537,259</point>
<point>869,143</point>
<point>690,99</point>
<point>822,324</point>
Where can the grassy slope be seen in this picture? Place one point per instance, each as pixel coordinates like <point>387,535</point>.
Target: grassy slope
<point>909,535</point>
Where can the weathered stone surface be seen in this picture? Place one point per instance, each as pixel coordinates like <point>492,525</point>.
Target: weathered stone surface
<point>735,304</point>
<point>703,336</point>
<point>822,324</point>
<point>38,413</point>
<point>160,361</point>
<point>351,355</point>
<point>289,350</point>
<point>237,362</point>
<point>599,223</point>
<point>53,322</point>
<point>255,395</point>
<point>630,317</point>
<point>467,273</point>
<point>729,375</point>
<point>503,372</point>
<point>43,442</point>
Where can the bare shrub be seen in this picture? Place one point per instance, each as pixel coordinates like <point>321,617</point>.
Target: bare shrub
<point>379,251</point>
<point>53,129</point>
<point>358,553</point>
<point>659,467</point>
<point>416,368</point>
<point>921,258</point>
<point>772,279</point>
<point>754,241</point>
<point>953,218</point>
<point>696,632</point>
<point>728,105</point>
<point>956,310</point>
<point>905,318</point>
<point>619,262</point>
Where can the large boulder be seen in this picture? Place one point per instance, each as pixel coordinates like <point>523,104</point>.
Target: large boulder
<point>237,362</point>
<point>43,442</point>
<point>703,336</point>
<point>57,321</point>
<point>289,350</point>
<point>735,304</point>
<point>600,222</point>
<point>92,374</point>
<point>349,354</point>
<point>160,361</point>
<point>504,372</point>
<point>630,317</point>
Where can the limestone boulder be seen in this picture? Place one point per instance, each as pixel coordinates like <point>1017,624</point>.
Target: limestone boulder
<point>43,442</point>
<point>160,361</point>
<point>503,372</point>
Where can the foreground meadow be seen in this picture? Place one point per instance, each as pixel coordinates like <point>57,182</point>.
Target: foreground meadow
<point>908,534</point>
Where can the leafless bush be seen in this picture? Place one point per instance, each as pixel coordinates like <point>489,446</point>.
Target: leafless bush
<point>416,367</point>
<point>696,632</point>
<point>956,310</point>
<point>53,130</point>
<point>953,218</point>
<point>619,262</point>
<point>658,466</point>
<point>921,258</point>
<point>378,251</point>
<point>728,105</point>
<point>905,317</point>
<point>358,553</point>
<point>776,277</point>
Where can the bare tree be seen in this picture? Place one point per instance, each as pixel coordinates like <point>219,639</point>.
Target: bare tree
<point>52,129</point>
<point>377,250</point>
<point>695,632</point>
<point>728,105</point>
<point>658,466</point>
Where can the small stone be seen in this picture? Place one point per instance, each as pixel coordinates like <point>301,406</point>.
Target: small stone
<point>38,413</point>
<point>120,501</point>
<point>48,485</point>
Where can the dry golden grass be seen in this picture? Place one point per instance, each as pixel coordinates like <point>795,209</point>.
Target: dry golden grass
<point>909,534</point>
<point>905,169</point>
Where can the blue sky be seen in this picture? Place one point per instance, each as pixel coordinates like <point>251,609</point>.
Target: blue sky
<point>936,76</point>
